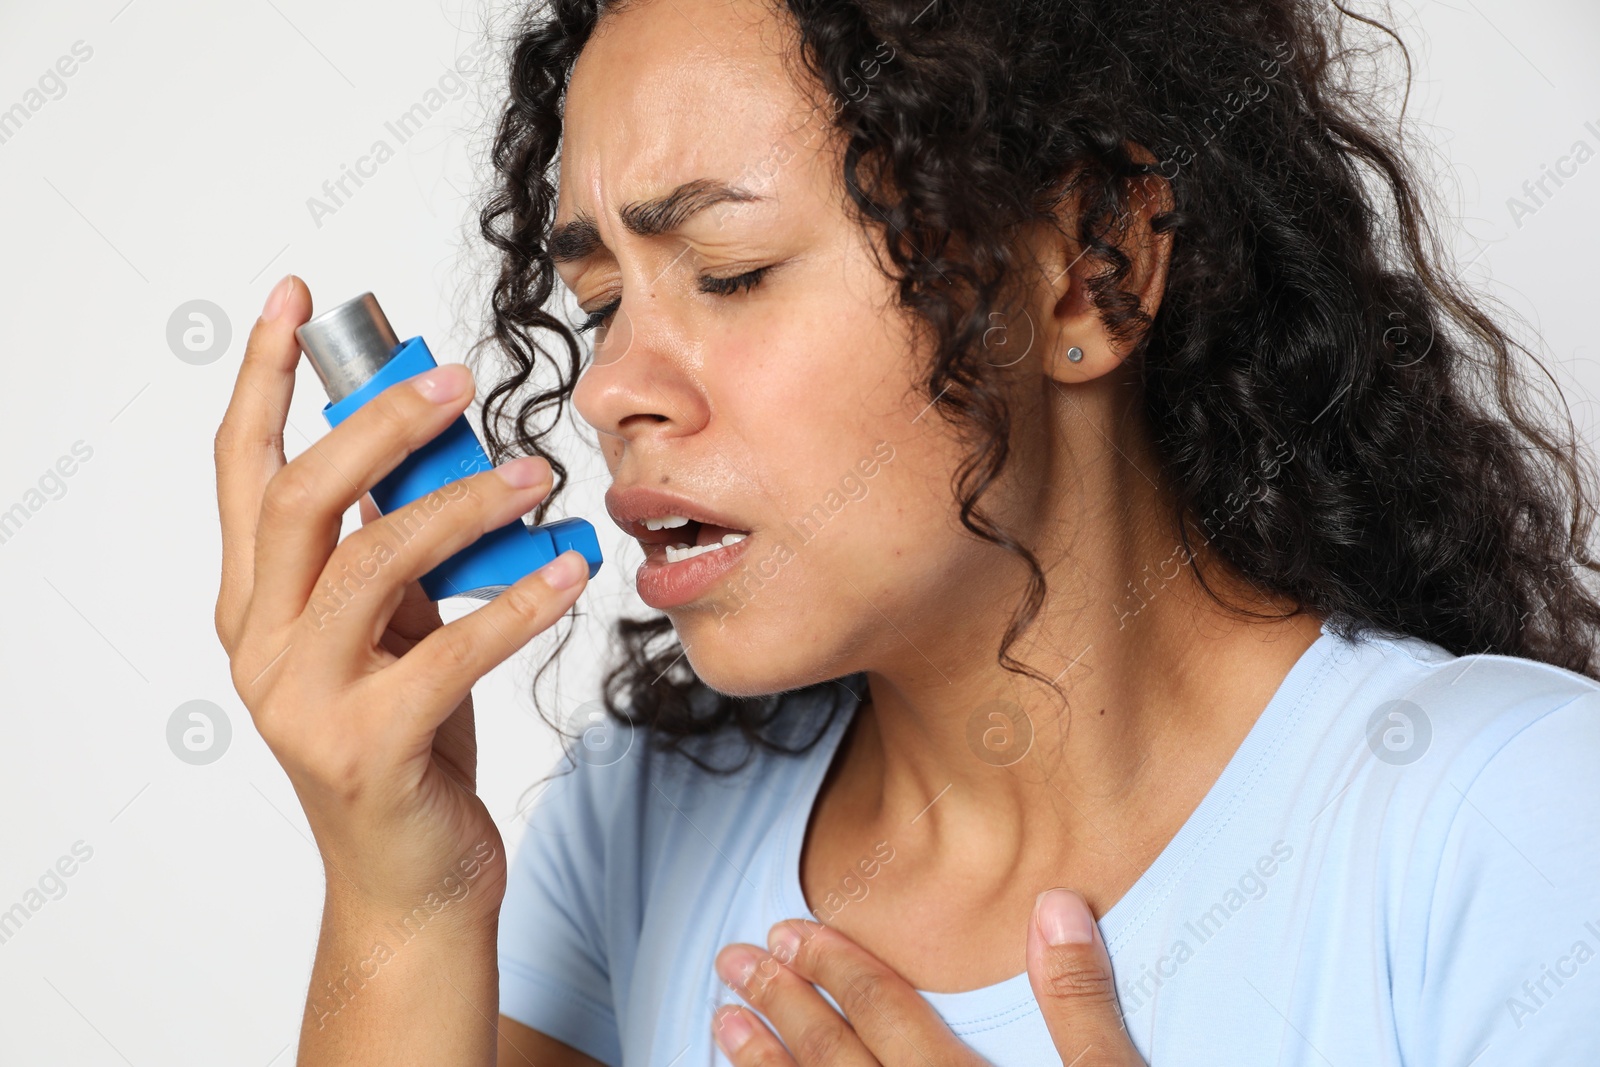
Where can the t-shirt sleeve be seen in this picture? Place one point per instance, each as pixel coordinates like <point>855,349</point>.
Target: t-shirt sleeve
<point>1511,971</point>
<point>555,974</point>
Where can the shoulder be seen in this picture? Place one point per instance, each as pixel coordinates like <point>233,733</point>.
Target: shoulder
<point>1469,780</point>
<point>622,826</point>
<point>1447,738</point>
<point>1452,809</point>
<point>1485,800</point>
<point>1513,746</point>
<point>620,795</point>
<point>1424,705</point>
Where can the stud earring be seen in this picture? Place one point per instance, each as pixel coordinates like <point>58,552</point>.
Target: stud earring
<point>1074,354</point>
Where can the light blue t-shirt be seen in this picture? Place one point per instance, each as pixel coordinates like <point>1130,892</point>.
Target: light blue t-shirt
<point>1400,865</point>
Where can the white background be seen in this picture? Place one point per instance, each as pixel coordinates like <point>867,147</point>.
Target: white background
<point>176,166</point>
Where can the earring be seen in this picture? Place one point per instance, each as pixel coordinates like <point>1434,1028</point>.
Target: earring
<point>1074,354</point>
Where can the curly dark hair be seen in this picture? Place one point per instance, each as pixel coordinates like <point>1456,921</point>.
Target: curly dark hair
<point>1306,302</point>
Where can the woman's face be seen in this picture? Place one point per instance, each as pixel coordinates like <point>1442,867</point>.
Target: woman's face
<point>784,409</point>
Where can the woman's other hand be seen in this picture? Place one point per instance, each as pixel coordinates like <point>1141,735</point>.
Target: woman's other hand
<point>886,1021</point>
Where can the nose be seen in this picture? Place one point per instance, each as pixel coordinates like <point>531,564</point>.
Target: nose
<point>639,383</point>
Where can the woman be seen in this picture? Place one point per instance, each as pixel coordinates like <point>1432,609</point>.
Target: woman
<point>1115,606</point>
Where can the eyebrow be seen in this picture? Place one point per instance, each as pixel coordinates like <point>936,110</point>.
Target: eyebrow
<point>580,238</point>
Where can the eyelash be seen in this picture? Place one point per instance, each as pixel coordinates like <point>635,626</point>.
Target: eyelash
<point>720,286</point>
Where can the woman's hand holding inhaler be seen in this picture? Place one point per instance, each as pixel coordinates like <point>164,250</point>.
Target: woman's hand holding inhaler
<point>365,697</point>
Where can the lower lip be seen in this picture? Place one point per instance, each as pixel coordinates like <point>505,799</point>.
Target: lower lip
<point>670,585</point>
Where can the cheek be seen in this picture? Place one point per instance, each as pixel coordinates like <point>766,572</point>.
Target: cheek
<point>896,529</point>
<point>863,463</point>
<point>816,609</point>
<point>821,404</point>
<point>839,552</point>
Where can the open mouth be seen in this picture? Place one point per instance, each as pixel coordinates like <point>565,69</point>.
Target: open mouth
<point>685,538</point>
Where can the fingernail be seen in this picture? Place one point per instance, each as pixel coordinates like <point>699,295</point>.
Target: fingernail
<point>1063,918</point>
<point>783,942</point>
<point>733,1031</point>
<point>441,384</point>
<point>565,570</point>
<point>275,299</point>
<point>736,967</point>
<point>522,473</point>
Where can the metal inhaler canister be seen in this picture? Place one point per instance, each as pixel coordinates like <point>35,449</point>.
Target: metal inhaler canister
<point>357,355</point>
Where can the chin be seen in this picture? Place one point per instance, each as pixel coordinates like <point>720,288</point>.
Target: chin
<point>762,648</point>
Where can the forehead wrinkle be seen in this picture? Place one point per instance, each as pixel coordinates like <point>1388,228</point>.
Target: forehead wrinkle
<point>651,218</point>
<point>580,237</point>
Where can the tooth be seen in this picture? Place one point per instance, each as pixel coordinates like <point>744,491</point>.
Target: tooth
<point>666,522</point>
<point>679,553</point>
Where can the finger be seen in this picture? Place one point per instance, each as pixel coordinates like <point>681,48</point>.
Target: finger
<point>304,503</point>
<point>891,1017</point>
<point>816,1034</point>
<point>417,616</point>
<point>414,618</point>
<point>745,1039</point>
<point>440,672</point>
<point>1070,971</point>
<point>363,582</point>
<point>248,447</point>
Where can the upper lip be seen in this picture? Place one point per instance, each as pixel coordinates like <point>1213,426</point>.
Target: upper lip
<point>629,507</point>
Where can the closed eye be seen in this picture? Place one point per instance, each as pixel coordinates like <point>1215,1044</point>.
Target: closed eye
<point>598,317</point>
<point>708,284</point>
<point>729,286</point>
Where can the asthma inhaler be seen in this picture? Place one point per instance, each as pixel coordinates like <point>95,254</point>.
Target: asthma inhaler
<point>357,355</point>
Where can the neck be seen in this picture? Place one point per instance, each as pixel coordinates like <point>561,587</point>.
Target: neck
<point>1147,714</point>
<point>1155,683</point>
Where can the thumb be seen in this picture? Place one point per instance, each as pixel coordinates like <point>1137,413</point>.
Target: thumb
<point>1070,971</point>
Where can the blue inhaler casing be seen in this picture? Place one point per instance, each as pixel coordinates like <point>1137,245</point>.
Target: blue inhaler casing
<point>356,354</point>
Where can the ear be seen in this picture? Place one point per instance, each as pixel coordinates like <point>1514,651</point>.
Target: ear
<point>1061,304</point>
